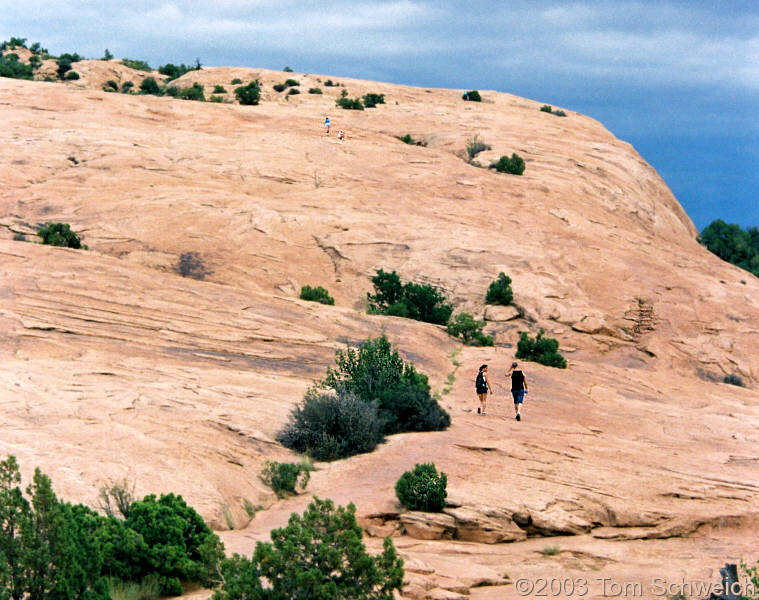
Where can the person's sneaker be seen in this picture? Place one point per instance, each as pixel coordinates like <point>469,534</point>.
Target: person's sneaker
<point>519,417</point>
<point>478,410</point>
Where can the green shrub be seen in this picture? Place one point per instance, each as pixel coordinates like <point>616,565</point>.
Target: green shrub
<point>174,71</point>
<point>513,165</point>
<point>330,83</point>
<point>112,85</point>
<point>107,55</point>
<point>372,100</point>
<point>541,349</point>
<point>148,589</point>
<point>60,234</point>
<point>285,478</point>
<point>293,91</point>
<point>472,96</point>
<point>195,92</point>
<point>314,90</point>
<point>551,550</point>
<point>10,66</point>
<point>422,488</point>
<point>139,65</point>
<point>733,244</point>
<point>236,81</point>
<point>421,302</point>
<point>733,379</point>
<point>349,103</point>
<point>559,113</point>
<point>292,82</point>
<point>35,62</point>
<point>546,108</point>
<point>71,76</point>
<point>500,291</point>
<point>181,546</point>
<point>316,294</point>
<point>319,555</point>
<point>330,426</point>
<point>150,86</point>
<point>287,70</point>
<point>407,139</point>
<point>219,89</point>
<point>279,87</point>
<point>249,95</point>
<point>469,330</point>
<point>191,264</point>
<point>126,87</point>
<point>13,43</point>
<point>475,145</point>
<point>377,375</point>
<point>217,99</point>
<point>64,66</point>
<point>172,91</point>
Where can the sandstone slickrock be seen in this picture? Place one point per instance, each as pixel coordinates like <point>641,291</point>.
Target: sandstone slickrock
<point>113,365</point>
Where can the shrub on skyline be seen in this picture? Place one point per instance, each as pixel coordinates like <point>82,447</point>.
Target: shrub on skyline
<point>139,65</point>
<point>472,96</point>
<point>733,244</point>
<point>173,71</point>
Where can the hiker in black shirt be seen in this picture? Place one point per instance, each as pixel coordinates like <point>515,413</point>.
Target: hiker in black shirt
<point>518,388</point>
<point>482,387</point>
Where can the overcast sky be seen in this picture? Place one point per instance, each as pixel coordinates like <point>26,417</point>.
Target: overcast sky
<point>677,79</point>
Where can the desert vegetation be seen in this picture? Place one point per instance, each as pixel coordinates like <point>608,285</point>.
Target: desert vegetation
<point>474,146</point>
<point>540,349</point>
<point>499,291</point>
<point>469,330</point>
<point>513,164</point>
<point>250,94</point>
<point>371,100</point>
<point>138,65</point>
<point>287,478</point>
<point>421,302</point>
<point>733,244</point>
<point>54,549</point>
<point>371,392</point>
<point>472,96</point>
<point>60,234</point>
<point>191,264</point>
<point>317,555</point>
<point>422,488</point>
<point>316,294</point>
<point>549,109</point>
<point>11,66</point>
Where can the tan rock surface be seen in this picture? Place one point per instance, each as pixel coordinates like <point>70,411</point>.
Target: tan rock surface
<point>113,365</point>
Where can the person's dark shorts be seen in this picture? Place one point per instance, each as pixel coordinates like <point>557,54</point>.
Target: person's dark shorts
<point>518,396</point>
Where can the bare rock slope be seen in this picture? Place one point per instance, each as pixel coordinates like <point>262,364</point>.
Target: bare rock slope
<point>115,365</point>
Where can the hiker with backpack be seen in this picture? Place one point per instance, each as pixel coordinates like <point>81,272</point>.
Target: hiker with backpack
<point>482,387</point>
<point>518,388</point>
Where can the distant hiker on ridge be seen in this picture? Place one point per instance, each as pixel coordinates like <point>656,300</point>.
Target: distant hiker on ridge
<point>482,387</point>
<point>518,388</point>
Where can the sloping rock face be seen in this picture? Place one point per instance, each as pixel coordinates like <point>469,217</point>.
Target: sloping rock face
<point>114,364</point>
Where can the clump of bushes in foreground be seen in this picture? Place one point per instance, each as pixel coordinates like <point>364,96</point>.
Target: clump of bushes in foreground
<point>422,488</point>
<point>53,549</point>
<point>317,555</point>
<point>370,393</point>
<point>541,349</point>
